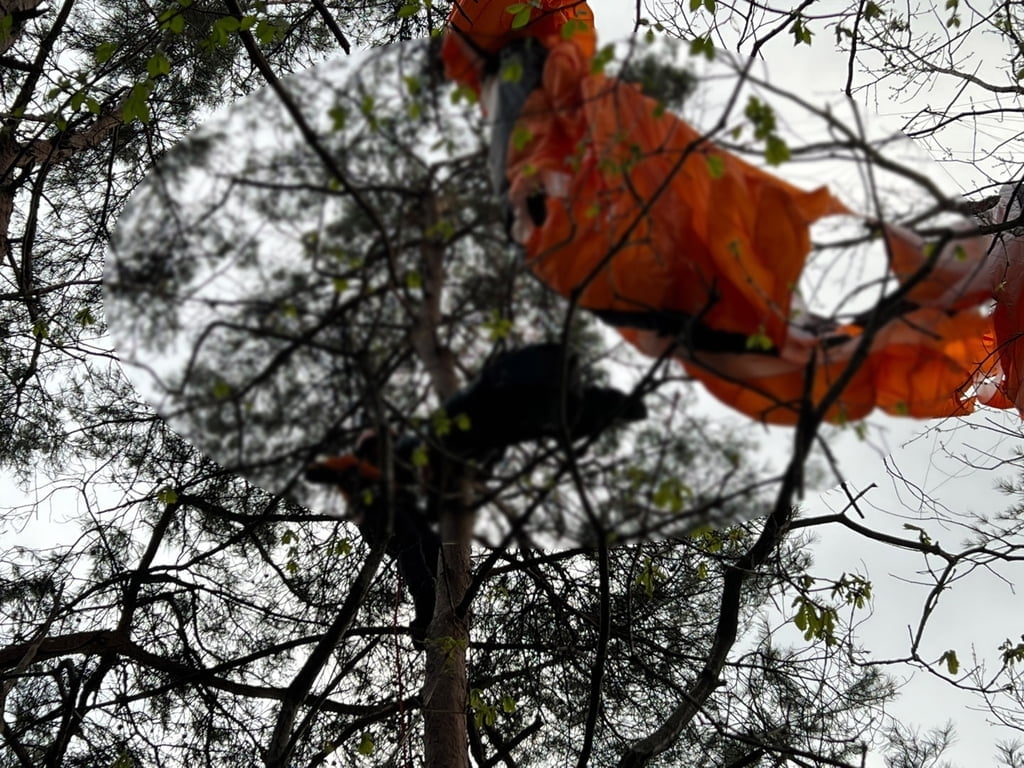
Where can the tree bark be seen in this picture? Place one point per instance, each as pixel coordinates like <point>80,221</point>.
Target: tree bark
<point>445,694</point>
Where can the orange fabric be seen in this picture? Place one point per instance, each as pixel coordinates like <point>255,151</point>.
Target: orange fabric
<point>959,276</point>
<point>489,25</point>
<point>642,214</point>
<point>922,365</point>
<point>1008,326</point>
<point>347,462</point>
<point>656,219</point>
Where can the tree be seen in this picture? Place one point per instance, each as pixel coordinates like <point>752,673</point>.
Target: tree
<point>195,615</point>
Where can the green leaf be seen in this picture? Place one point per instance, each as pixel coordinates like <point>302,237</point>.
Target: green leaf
<point>522,17</point>
<point>411,9</point>
<point>801,34</point>
<point>463,92</point>
<point>521,137</point>
<point>800,619</point>
<point>413,84</point>
<point>342,547</point>
<point>602,59</point>
<point>420,456</point>
<point>440,423</point>
<point>41,330</point>
<point>776,151</point>
<point>762,116</point>
<point>759,340</point>
<point>167,496</point>
<point>442,229</point>
<point>220,30</point>
<point>84,317</point>
<point>716,166</point>
<point>695,4</point>
<point>266,31</point>
<point>104,51</point>
<point>1011,654</point>
<point>338,115</point>
<point>173,19</point>
<point>413,280</point>
<point>710,5</point>
<point>672,494</point>
<point>508,704</point>
<point>221,389</point>
<point>497,327</point>
<point>814,622</point>
<point>158,64</point>
<point>573,27</point>
<point>512,72</point>
<point>872,11</point>
<point>951,662</point>
<point>922,534</point>
<point>136,104</point>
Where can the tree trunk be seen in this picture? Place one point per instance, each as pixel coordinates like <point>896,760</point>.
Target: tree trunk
<point>445,693</point>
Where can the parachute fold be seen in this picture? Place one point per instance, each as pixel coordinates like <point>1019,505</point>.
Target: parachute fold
<point>685,248</point>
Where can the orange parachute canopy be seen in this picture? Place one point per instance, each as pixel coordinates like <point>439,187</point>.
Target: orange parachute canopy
<point>478,28</point>
<point>659,231</point>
